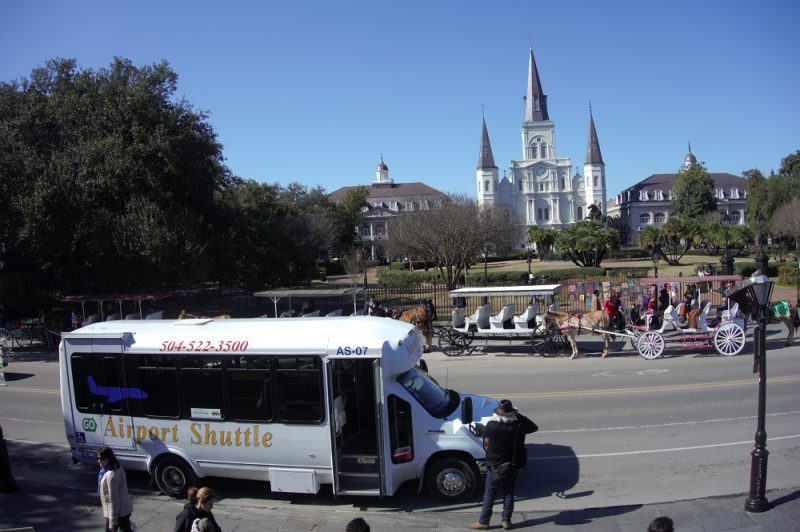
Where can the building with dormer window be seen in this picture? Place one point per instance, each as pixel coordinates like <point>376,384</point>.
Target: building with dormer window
<point>649,202</point>
<point>387,200</point>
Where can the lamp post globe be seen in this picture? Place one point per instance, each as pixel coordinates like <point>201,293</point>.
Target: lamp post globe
<point>656,255</point>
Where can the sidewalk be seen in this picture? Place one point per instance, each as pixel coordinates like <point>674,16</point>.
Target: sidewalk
<point>53,507</point>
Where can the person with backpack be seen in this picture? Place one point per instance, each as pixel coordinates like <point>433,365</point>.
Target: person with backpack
<point>504,441</point>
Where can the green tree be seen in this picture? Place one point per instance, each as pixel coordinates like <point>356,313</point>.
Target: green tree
<point>348,217</point>
<point>679,235</point>
<point>108,180</point>
<point>693,193</point>
<point>587,242</point>
<point>543,237</point>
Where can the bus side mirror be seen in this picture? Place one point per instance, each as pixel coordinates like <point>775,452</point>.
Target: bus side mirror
<point>466,410</point>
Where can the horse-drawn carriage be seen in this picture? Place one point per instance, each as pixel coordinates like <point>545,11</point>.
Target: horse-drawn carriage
<point>456,337</point>
<point>726,333</point>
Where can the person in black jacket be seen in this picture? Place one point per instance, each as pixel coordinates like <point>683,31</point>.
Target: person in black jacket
<point>197,507</point>
<point>504,441</point>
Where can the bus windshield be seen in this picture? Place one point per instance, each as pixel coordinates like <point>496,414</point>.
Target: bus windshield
<point>437,401</point>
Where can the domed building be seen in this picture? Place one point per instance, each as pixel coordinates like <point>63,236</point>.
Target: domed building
<point>387,200</point>
<point>649,202</point>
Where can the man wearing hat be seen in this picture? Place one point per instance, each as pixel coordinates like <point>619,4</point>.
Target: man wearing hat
<point>504,441</point>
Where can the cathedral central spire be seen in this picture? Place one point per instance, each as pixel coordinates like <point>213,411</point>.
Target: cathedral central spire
<point>535,100</point>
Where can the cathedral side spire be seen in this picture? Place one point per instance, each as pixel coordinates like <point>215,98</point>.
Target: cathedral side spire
<point>535,99</point>
<point>593,155</point>
<point>485,157</point>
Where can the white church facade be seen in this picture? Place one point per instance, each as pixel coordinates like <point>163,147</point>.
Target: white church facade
<point>540,188</point>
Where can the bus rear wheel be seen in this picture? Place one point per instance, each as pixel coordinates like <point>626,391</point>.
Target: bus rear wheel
<point>451,479</point>
<point>174,476</point>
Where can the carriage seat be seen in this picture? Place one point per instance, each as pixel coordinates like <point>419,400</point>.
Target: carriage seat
<point>112,317</point>
<point>479,318</point>
<point>458,318</point>
<point>526,319</point>
<point>91,319</point>
<point>337,312</point>
<point>157,315</point>
<point>731,313</point>
<point>287,313</point>
<point>702,321</point>
<point>504,317</point>
<point>312,314</point>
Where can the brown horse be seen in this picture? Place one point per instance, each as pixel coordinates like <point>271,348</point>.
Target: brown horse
<point>416,316</point>
<point>573,324</point>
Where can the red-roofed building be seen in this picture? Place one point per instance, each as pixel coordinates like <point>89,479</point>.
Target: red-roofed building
<point>387,200</point>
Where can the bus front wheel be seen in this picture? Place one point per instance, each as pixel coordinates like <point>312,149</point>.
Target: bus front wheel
<point>451,479</point>
<point>174,476</point>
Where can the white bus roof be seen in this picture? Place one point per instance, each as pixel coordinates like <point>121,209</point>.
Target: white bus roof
<point>524,290</point>
<point>365,336</point>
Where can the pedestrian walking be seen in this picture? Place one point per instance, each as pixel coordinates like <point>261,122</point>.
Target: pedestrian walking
<point>112,484</point>
<point>504,441</point>
<point>199,506</point>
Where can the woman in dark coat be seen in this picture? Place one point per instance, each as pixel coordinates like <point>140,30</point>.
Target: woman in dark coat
<point>197,507</point>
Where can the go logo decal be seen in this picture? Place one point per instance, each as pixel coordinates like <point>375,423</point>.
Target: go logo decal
<point>89,424</point>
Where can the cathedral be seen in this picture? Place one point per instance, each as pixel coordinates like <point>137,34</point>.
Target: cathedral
<point>540,188</point>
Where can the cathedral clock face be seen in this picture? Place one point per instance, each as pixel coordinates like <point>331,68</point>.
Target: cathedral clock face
<point>541,171</point>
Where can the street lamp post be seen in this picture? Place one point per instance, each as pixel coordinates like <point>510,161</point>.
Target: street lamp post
<point>656,255</point>
<point>528,256</point>
<point>758,293</point>
<point>726,261</point>
<point>762,260</point>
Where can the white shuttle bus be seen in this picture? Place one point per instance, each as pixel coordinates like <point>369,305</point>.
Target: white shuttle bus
<point>295,402</point>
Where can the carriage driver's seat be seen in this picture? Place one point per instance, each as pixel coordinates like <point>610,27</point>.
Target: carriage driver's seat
<point>524,320</point>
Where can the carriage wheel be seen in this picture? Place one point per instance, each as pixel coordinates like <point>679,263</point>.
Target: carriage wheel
<point>552,344</point>
<point>449,342</point>
<point>25,338</point>
<point>650,345</point>
<point>729,339</point>
<point>6,340</point>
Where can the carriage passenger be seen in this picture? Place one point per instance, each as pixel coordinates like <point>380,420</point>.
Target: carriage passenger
<point>596,304</point>
<point>611,308</point>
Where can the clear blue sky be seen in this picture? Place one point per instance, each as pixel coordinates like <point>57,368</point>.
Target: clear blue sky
<point>315,91</point>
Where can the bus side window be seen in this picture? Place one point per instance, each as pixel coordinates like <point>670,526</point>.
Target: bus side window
<point>79,375</point>
<point>201,384</point>
<point>299,387</point>
<point>249,388</point>
<point>400,436</point>
<point>158,378</point>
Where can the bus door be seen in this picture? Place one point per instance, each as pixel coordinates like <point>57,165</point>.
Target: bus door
<point>354,410</point>
<point>99,393</point>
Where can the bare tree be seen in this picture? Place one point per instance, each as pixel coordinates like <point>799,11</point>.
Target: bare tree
<point>787,218</point>
<point>448,236</point>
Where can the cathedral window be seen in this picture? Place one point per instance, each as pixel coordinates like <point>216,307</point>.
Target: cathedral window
<point>520,185</point>
<point>547,214</point>
<point>595,180</point>
<point>539,214</point>
<point>736,217</point>
<point>659,219</point>
<point>544,151</point>
<point>644,219</point>
<point>534,152</point>
<point>561,183</point>
<point>580,213</point>
<point>486,186</point>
